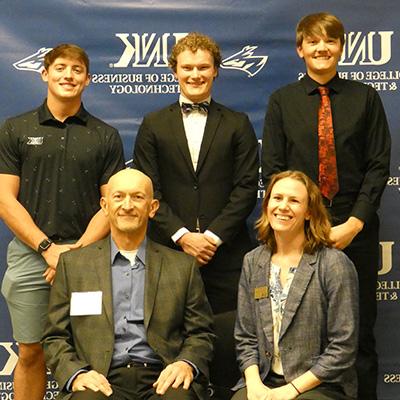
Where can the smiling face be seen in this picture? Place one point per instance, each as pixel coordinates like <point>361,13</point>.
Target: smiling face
<point>321,56</point>
<point>195,72</point>
<point>66,78</point>
<point>129,203</point>
<point>287,208</point>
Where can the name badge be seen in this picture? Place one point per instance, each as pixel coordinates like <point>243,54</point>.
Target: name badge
<point>261,292</point>
<point>85,303</point>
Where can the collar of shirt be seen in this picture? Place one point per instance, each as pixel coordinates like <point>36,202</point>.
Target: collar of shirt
<point>141,254</point>
<point>311,86</point>
<point>45,116</point>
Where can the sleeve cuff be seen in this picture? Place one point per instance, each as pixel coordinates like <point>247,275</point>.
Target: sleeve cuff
<point>178,234</point>
<point>213,236</point>
<point>195,369</point>
<point>68,385</point>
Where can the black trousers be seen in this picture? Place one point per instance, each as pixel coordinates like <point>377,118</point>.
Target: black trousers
<point>135,383</point>
<point>224,370</point>
<point>221,281</point>
<point>324,391</point>
<point>364,252</point>
<point>314,394</point>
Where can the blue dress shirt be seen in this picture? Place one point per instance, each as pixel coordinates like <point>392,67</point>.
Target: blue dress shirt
<point>128,306</point>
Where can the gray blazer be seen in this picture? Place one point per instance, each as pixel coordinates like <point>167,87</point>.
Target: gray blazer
<point>320,323</point>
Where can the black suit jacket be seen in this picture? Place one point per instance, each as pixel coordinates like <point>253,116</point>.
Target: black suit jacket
<point>220,194</point>
<point>177,316</point>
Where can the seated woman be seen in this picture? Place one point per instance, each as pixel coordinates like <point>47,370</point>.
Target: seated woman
<point>296,328</point>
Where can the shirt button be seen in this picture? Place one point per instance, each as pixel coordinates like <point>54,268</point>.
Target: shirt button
<point>267,354</point>
<point>195,187</point>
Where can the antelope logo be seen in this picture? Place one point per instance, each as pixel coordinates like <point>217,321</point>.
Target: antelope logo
<point>34,62</point>
<point>245,61</point>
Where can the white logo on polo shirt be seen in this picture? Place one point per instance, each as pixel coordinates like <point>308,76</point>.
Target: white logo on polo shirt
<point>35,141</point>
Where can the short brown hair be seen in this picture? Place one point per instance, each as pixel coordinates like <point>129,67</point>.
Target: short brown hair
<point>316,229</point>
<point>66,50</point>
<point>320,25</point>
<point>195,41</point>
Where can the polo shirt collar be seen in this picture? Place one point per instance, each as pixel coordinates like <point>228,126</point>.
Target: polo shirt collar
<point>45,115</point>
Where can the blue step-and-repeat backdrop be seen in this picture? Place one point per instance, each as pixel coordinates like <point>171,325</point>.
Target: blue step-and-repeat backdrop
<point>128,43</point>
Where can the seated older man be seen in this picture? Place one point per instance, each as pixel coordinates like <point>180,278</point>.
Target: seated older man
<point>129,318</point>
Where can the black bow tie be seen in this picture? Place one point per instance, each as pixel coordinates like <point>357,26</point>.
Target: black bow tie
<point>201,107</point>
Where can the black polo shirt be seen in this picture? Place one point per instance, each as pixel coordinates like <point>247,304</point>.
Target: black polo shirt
<point>61,166</point>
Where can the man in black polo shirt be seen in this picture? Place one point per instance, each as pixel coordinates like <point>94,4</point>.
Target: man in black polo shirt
<point>362,148</point>
<point>55,162</point>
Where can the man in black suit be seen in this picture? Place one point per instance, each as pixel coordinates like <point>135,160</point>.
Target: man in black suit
<point>203,160</point>
<point>204,165</point>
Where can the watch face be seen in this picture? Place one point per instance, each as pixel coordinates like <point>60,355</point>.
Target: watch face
<point>44,245</point>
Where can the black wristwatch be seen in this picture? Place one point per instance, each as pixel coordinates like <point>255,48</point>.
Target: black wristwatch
<point>44,245</point>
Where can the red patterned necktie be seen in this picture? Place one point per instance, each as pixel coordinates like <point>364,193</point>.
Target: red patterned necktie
<point>328,178</point>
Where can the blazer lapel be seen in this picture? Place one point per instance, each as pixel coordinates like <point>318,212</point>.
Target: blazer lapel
<point>102,262</point>
<point>261,280</point>
<point>178,130</point>
<point>213,121</point>
<point>301,279</point>
<point>152,276</point>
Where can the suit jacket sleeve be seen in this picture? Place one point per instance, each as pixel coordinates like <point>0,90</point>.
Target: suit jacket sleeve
<point>145,159</point>
<point>198,325</point>
<point>243,196</point>
<point>273,157</point>
<point>58,344</point>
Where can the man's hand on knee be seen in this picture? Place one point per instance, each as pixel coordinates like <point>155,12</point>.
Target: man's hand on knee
<point>174,375</point>
<point>92,380</point>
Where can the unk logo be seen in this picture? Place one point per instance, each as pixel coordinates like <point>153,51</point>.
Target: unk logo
<point>34,62</point>
<point>145,50</point>
<point>150,50</point>
<point>373,48</point>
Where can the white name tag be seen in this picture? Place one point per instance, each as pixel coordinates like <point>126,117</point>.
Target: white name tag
<point>86,303</point>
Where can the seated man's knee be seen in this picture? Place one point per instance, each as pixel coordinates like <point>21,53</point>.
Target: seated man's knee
<point>179,394</point>
<point>89,395</point>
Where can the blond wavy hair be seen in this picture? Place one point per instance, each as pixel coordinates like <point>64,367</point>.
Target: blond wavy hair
<point>193,42</point>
